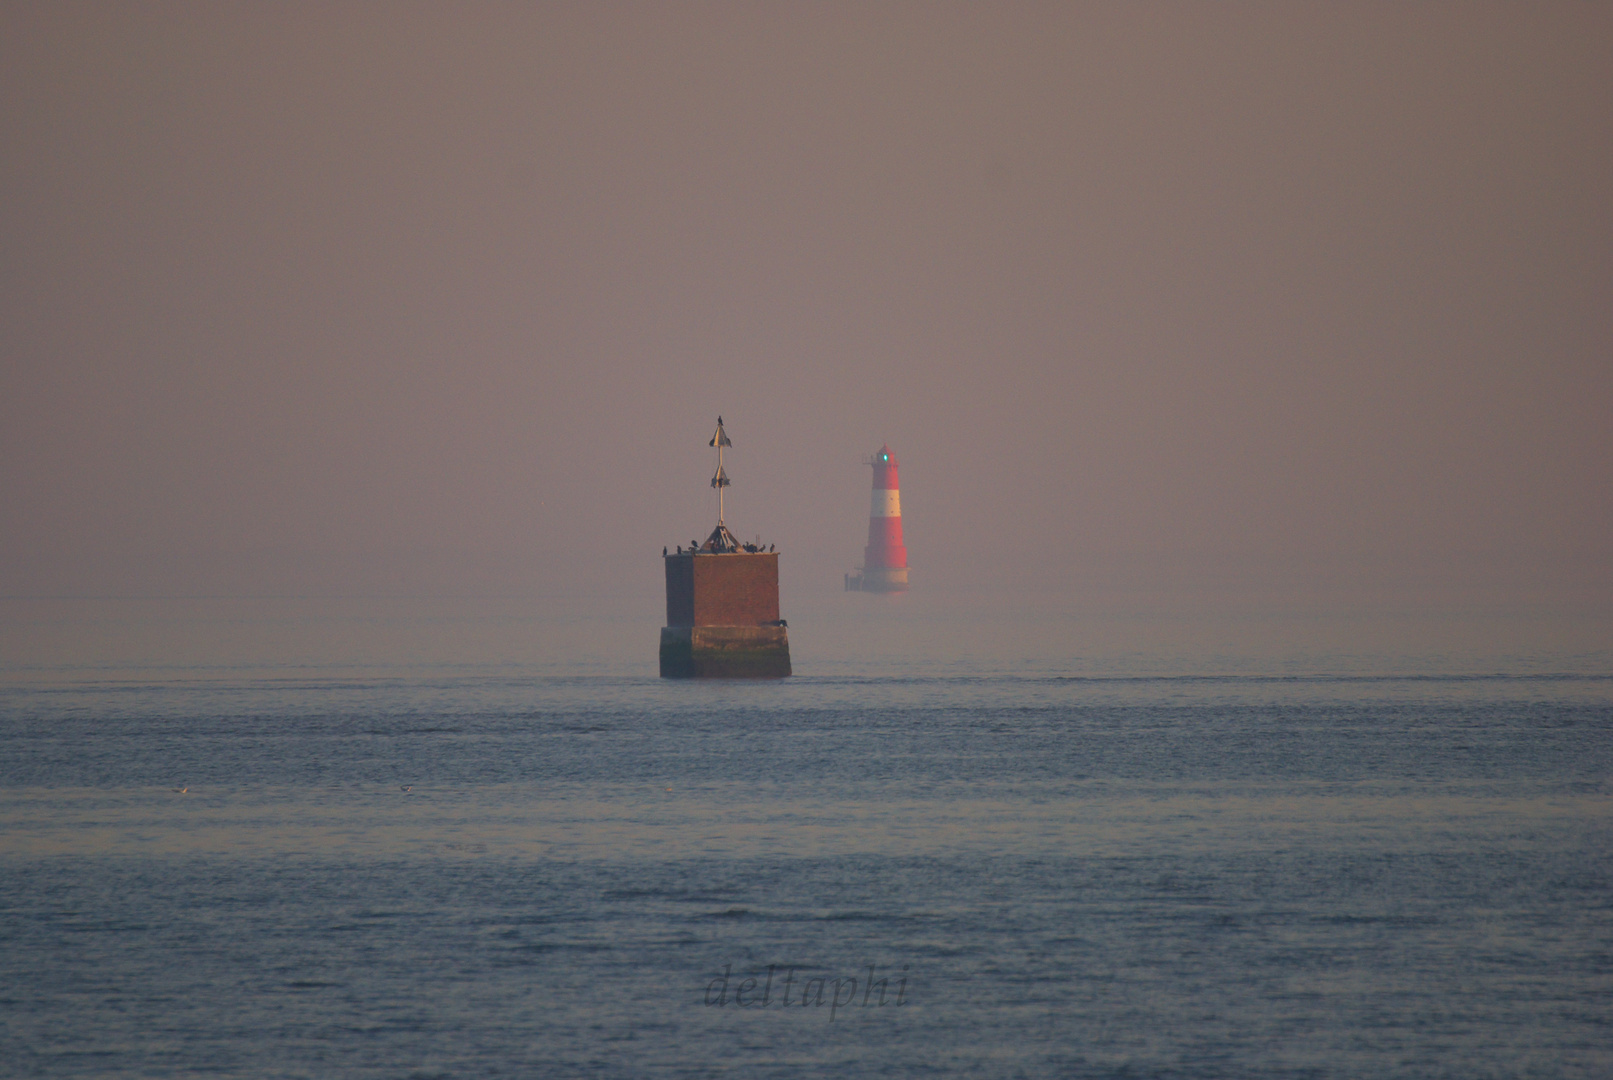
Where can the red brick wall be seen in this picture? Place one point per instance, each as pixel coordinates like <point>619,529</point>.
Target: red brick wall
<point>721,590</point>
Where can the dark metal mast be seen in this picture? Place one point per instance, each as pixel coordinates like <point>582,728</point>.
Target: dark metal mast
<point>719,479</point>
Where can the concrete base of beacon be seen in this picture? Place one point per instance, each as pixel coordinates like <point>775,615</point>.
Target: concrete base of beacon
<point>877,580</point>
<point>725,652</point>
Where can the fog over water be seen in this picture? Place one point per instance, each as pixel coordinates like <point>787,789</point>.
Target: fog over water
<point>57,641</point>
<point>1229,309</point>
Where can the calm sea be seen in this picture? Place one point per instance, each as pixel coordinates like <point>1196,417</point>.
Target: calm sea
<point>939,860</point>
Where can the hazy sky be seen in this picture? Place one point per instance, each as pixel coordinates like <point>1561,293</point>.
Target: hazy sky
<point>327,299</point>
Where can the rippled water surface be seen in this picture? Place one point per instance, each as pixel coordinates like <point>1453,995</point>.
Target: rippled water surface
<point>429,874</point>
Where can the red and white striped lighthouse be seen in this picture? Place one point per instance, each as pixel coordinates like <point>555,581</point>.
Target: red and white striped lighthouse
<point>885,559</point>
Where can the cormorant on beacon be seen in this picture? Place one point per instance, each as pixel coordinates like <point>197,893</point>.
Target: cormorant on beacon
<point>663,550</point>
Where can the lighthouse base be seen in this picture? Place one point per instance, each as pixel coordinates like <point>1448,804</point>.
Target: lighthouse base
<point>877,579</point>
<point>724,652</point>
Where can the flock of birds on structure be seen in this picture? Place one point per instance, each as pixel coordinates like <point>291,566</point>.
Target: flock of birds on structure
<point>752,549</point>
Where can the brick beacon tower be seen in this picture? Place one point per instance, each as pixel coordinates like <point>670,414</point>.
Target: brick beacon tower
<point>722,617</point>
<point>884,566</point>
